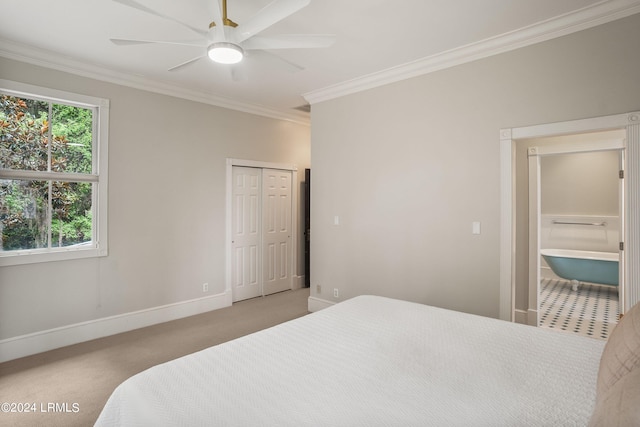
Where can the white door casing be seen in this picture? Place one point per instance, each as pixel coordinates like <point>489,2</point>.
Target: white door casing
<point>534,236</point>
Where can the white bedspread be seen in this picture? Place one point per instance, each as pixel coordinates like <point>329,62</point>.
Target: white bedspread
<point>372,361</point>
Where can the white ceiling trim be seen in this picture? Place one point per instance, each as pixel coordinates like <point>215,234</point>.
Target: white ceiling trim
<point>44,58</point>
<point>597,14</point>
<point>591,16</point>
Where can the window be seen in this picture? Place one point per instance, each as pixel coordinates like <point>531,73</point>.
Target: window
<point>53,174</point>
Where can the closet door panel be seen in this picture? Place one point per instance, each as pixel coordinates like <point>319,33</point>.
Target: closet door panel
<point>246,228</point>
<point>277,230</point>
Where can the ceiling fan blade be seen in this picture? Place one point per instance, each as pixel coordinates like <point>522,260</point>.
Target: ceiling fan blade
<point>134,4</point>
<point>186,63</point>
<point>125,42</point>
<point>131,42</point>
<point>264,55</point>
<point>267,16</point>
<point>289,41</point>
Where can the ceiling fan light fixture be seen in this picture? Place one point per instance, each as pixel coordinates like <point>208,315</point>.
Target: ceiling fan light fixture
<point>225,53</point>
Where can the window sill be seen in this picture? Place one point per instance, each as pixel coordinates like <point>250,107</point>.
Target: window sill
<point>38,256</point>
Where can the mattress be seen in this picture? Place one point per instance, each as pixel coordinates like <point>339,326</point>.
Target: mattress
<point>372,361</point>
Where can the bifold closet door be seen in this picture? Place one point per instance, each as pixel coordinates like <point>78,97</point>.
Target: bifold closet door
<point>261,227</point>
<point>246,270</point>
<point>276,208</point>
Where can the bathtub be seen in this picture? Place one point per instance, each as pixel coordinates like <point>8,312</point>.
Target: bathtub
<point>583,266</point>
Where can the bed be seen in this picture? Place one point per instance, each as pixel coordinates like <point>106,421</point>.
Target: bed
<point>375,361</point>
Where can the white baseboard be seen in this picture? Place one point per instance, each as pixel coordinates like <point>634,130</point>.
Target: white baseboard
<point>547,273</point>
<point>520,316</point>
<point>25,345</point>
<point>317,304</point>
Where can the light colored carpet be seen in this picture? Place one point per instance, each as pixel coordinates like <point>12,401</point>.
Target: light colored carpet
<point>80,378</point>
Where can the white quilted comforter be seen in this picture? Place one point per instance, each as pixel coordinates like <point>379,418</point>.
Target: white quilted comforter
<point>372,361</point>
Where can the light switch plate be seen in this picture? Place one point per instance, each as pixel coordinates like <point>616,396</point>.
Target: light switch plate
<point>475,227</point>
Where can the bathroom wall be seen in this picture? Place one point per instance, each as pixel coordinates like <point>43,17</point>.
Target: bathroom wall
<point>585,184</point>
<point>579,188</point>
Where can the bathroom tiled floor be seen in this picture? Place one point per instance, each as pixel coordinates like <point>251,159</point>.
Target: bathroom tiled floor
<point>591,310</point>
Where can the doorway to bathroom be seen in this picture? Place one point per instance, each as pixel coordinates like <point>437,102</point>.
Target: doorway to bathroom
<point>576,224</point>
<point>517,301</point>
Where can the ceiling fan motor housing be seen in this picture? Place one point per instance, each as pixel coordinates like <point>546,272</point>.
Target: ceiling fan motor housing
<point>225,52</point>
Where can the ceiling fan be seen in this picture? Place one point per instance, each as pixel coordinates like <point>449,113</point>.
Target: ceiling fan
<point>225,42</point>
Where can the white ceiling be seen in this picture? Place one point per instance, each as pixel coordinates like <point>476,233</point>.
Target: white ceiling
<point>378,41</point>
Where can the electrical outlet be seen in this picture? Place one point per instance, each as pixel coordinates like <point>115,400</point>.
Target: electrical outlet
<point>205,287</point>
<point>318,289</point>
<point>336,294</point>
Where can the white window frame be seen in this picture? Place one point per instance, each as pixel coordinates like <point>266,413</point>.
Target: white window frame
<point>100,141</point>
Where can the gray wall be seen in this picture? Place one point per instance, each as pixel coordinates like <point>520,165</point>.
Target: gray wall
<point>166,206</point>
<point>409,166</point>
<point>580,183</point>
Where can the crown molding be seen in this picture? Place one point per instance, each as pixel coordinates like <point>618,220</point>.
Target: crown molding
<point>590,16</point>
<point>44,58</point>
<point>587,17</point>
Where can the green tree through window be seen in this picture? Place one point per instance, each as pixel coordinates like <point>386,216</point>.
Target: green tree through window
<point>50,204</point>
